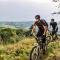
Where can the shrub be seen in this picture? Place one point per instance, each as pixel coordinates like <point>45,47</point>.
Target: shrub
<point>20,32</point>
<point>7,35</point>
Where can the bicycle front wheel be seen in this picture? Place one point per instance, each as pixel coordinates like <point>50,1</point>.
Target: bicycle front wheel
<point>35,53</point>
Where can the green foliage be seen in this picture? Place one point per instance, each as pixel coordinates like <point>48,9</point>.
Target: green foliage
<point>9,36</point>
<point>20,32</point>
<point>20,50</point>
<point>6,33</point>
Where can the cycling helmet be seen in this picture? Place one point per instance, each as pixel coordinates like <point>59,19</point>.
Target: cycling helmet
<point>52,19</point>
<point>37,16</point>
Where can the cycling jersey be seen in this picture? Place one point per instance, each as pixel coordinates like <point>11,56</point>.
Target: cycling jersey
<point>53,24</point>
<point>55,27</point>
<point>40,25</point>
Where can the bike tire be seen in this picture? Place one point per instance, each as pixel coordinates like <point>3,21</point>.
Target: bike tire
<point>49,39</point>
<point>32,51</point>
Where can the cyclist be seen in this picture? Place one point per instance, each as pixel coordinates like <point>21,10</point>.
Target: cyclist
<point>42,29</point>
<point>54,26</point>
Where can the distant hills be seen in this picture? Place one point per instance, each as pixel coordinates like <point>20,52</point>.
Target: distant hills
<point>18,25</point>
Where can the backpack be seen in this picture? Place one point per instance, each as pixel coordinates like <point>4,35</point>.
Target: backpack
<point>45,22</point>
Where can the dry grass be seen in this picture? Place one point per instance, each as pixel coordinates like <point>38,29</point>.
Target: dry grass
<point>21,50</point>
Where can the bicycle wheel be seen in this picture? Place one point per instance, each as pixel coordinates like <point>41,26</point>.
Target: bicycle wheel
<point>35,53</point>
<point>58,37</point>
<point>49,39</point>
<point>44,48</point>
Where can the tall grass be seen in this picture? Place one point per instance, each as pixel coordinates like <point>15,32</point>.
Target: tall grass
<point>19,45</point>
<point>22,49</point>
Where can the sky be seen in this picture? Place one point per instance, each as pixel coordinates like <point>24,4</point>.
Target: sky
<point>25,10</point>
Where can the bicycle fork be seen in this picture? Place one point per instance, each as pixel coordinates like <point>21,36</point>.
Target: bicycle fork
<point>39,54</point>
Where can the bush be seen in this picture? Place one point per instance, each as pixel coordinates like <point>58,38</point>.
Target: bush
<point>20,32</point>
<point>7,35</point>
<point>23,32</point>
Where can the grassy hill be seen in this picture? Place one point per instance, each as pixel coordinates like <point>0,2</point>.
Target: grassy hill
<point>21,50</point>
<point>16,44</point>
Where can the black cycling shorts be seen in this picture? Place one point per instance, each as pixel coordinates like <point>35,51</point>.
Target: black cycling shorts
<point>54,31</point>
<point>42,38</point>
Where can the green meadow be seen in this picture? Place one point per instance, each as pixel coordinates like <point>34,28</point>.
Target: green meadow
<point>16,44</point>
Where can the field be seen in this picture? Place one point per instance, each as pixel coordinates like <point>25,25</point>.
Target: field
<point>16,44</point>
<point>21,50</point>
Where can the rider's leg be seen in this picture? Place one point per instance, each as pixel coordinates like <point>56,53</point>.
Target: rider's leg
<point>43,43</point>
<point>56,33</point>
<point>39,39</point>
<point>53,35</point>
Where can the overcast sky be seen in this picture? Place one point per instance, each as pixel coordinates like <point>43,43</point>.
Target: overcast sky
<point>25,10</point>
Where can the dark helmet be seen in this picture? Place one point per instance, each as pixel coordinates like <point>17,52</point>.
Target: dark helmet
<point>52,19</point>
<point>37,16</point>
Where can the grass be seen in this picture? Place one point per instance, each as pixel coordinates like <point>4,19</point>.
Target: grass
<point>21,50</point>
<point>18,50</point>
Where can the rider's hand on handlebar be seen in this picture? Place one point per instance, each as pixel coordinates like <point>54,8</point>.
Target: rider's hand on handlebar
<point>32,33</point>
<point>46,32</point>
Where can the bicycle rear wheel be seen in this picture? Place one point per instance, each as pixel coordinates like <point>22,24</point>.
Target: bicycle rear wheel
<point>35,53</point>
<point>49,39</point>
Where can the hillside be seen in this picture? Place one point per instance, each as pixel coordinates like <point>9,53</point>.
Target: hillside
<point>21,50</point>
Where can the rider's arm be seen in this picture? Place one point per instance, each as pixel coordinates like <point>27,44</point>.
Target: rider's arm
<point>56,28</point>
<point>33,29</point>
<point>45,27</point>
<point>46,30</point>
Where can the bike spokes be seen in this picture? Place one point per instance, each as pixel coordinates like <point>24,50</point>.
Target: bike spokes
<point>36,53</point>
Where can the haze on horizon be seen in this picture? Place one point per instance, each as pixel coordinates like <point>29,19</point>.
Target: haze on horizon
<point>25,10</point>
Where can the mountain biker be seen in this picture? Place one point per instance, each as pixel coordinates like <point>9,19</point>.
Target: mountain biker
<point>42,29</point>
<point>54,26</point>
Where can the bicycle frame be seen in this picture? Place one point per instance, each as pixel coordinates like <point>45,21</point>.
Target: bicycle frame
<point>38,51</point>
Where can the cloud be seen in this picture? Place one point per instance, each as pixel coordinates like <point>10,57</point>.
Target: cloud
<point>36,1</point>
<point>15,11</point>
<point>25,9</point>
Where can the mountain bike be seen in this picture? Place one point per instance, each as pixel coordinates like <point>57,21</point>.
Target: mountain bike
<point>54,37</point>
<point>38,51</point>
